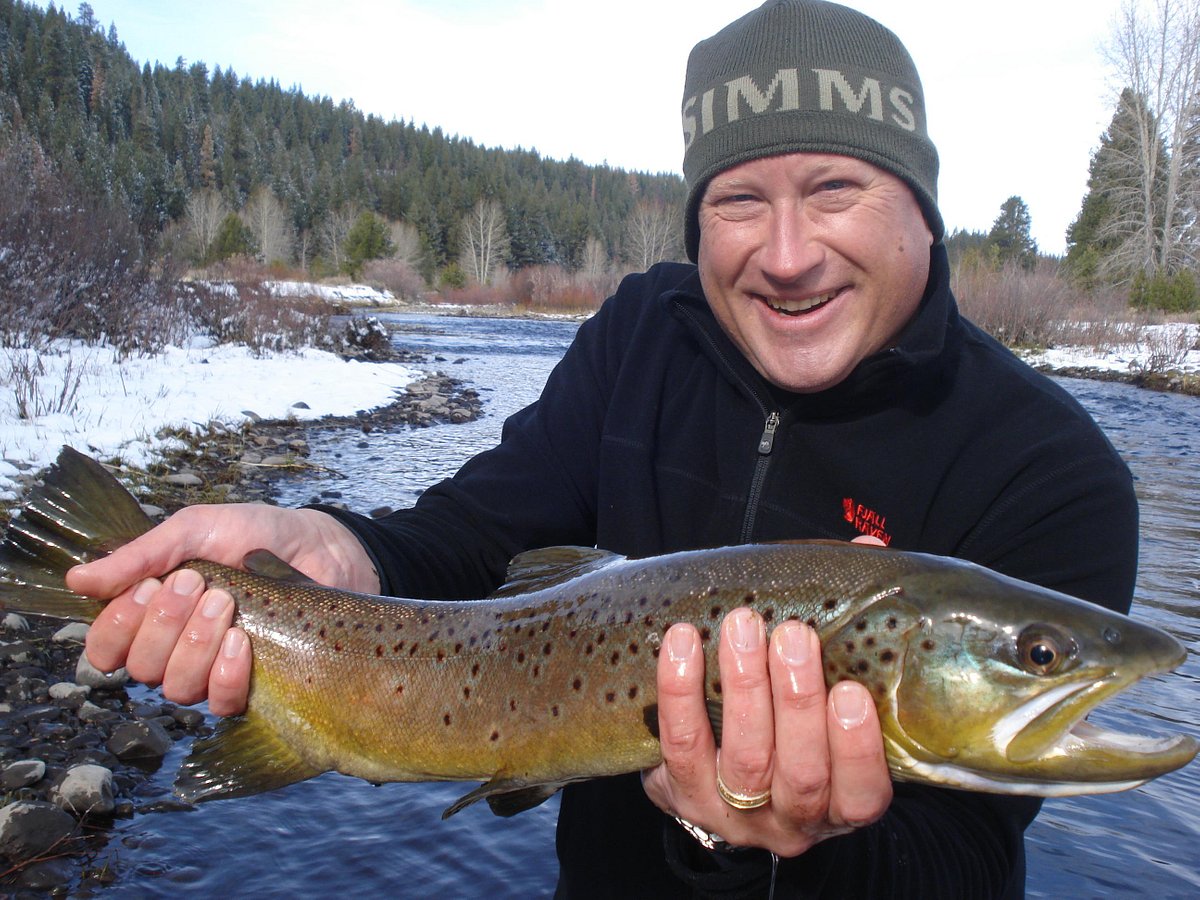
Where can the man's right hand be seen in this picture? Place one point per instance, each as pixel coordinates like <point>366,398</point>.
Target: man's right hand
<point>167,628</point>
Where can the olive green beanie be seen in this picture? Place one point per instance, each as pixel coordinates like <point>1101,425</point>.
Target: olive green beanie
<point>804,76</point>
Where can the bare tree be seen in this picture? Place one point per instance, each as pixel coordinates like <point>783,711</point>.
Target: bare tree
<point>206,210</point>
<point>334,229</point>
<point>1156,57</point>
<point>595,258</point>
<point>407,241</point>
<point>652,234</point>
<point>484,242</point>
<point>269,222</point>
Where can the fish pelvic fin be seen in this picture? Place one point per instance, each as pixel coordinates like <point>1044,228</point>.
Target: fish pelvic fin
<point>243,756</point>
<point>506,796</point>
<point>78,513</point>
<point>268,565</point>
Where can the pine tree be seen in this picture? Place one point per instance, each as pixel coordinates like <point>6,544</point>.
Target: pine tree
<point>1010,235</point>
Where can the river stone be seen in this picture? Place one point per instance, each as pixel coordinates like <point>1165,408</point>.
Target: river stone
<point>22,773</point>
<point>184,479</point>
<point>91,713</point>
<point>15,622</point>
<point>72,695</point>
<point>139,740</point>
<point>89,675</point>
<point>28,828</point>
<point>72,632</point>
<point>85,790</point>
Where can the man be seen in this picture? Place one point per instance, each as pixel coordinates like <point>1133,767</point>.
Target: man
<point>809,378</point>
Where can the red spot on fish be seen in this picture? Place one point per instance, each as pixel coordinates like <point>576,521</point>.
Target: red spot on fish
<point>633,648</point>
<point>378,650</point>
<point>633,692</point>
<point>446,718</point>
<point>577,683</point>
<point>495,736</point>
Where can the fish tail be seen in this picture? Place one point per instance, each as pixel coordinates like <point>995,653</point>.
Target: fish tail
<point>79,513</point>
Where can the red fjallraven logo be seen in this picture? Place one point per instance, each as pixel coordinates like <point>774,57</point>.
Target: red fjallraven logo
<point>865,520</point>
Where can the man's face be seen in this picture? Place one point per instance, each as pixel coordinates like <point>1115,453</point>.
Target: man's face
<point>811,262</point>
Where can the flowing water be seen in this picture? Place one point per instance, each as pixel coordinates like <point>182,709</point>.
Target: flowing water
<point>339,835</point>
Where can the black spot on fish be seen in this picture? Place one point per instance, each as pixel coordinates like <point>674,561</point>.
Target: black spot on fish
<point>378,650</point>
<point>517,628</point>
<point>446,719</point>
<point>600,638</point>
<point>554,711</point>
<point>270,613</point>
<point>546,650</point>
<point>441,655</point>
<point>705,634</point>
<point>862,667</point>
<point>610,697</point>
<point>628,617</point>
<point>412,651</point>
<point>340,623</point>
<point>358,626</point>
<point>829,605</point>
<point>887,656</point>
<point>860,625</point>
<point>398,646</point>
<point>870,642</point>
<point>399,626</point>
<point>648,621</point>
<point>927,645</point>
<point>399,689</point>
<point>573,633</point>
<point>768,614</point>
<point>495,736</point>
<point>433,636</point>
<point>321,633</point>
<point>520,656</point>
<point>849,646</point>
<point>475,670</point>
<point>537,670</point>
<point>615,658</point>
<point>577,683</point>
<point>667,603</point>
<point>458,647</point>
<point>307,626</point>
<point>832,667</point>
<point>811,622</point>
<point>512,705</point>
<point>633,692</point>
<point>750,598</point>
<point>466,693</point>
<point>716,686</point>
<point>715,612</point>
<point>892,623</point>
<point>642,601</point>
<point>588,650</point>
<point>300,614</point>
<point>378,627</point>
<point>337,646</point>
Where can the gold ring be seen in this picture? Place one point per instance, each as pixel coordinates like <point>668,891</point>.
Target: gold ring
<point>742,801</point>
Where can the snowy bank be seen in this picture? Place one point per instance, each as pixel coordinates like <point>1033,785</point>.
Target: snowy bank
<point>84,396</point>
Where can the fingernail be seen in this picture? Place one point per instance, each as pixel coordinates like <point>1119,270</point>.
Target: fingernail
<point>146,590</point>
<point>186,582</point>
<point>849,705</point>
<point>232,646</point>
<point>795,644</point>
<point>215,603</point>
<point>680,644</point>
<point>746,630</point>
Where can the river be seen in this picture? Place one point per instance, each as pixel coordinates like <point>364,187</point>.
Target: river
<point>337,835</point>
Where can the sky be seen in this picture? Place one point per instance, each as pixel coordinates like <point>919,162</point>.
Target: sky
<point>1017,93</point>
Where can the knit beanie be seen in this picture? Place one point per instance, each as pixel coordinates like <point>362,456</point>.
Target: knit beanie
<point>805,76</point>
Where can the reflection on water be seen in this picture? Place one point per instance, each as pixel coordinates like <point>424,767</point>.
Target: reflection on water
<point>336,834</point>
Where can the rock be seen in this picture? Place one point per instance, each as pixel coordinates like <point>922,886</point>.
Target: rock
<point>22,773</point>
<point>89,675</point>
<point>187,717</point>
<point>71,695</point>
<point>29,829</point>
<point>184,479</point>
<point>85,790</point>
<point>15,622</point>
<point>72,632</point>
<point>139,740</point>
<point>300,404</point>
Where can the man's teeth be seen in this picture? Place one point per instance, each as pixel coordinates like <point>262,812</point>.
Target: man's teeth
<point>798,306</point>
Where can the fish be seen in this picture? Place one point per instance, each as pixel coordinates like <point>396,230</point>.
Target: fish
<point>981,681</point>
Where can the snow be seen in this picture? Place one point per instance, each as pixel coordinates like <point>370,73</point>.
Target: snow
<point>1174,345</point>
<point>86,397</point>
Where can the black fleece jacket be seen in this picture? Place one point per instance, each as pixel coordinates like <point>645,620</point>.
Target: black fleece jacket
<point>655,434</point>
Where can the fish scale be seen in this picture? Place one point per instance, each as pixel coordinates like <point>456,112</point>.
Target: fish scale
<point>980,681</point>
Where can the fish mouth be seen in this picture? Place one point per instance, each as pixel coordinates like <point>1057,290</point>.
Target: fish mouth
<point>1048,740</point>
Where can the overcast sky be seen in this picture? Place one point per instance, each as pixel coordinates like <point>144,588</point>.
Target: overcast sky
<point>1017,93</point>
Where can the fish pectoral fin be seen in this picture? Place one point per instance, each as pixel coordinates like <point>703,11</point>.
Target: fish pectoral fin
<point>506,796</point>
<point>244,756</point>
<point>268,565</point>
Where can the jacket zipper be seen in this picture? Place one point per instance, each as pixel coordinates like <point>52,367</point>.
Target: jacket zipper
<point>766,444</point>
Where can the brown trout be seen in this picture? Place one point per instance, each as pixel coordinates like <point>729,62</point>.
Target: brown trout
<point>981,681</point>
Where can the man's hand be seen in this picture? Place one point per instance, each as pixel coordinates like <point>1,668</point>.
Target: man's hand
<point>174,631</point>
<point>818,753</point>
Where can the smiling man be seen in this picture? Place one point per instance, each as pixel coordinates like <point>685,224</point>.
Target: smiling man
<point>809,377</point>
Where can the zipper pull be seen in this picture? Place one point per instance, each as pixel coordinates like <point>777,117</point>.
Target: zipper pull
<point>767,441</point>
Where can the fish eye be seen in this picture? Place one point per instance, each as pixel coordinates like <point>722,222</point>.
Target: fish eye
<point>1042,650</point>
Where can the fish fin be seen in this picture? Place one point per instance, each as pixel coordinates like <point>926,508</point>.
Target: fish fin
<point>244,756</point>
<point>268,565</point>
<point>506,796</point>
<point>536,570</point>
<point>78,513</point>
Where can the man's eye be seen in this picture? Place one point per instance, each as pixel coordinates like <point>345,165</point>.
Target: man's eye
<point>834,185</point>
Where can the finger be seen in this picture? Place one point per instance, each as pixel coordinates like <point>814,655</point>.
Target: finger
<point>748,731</point>
<point>166,616</point>
<point>229,680</point>
<point>801,786</point>
<point>860,784</point>
<point>111,635</point>
<point>150,555</point>
<point>685,734</point>
<point>187,673</point>
<point>868,539</point>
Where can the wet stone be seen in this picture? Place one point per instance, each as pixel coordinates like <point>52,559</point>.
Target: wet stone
<point>86,790</point>
<point>22,773</point>
<point>139,740</point>
<point>29,828</point>
<point>71,633</point>
<point>89,675</point>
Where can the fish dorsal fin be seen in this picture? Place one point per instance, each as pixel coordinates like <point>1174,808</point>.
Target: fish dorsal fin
<point>536,570</point>
<point>244,756</point>
<point>268,565</point>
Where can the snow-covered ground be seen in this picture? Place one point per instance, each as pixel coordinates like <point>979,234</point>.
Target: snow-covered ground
<point>83,396</point>
<point>1156,347</point>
